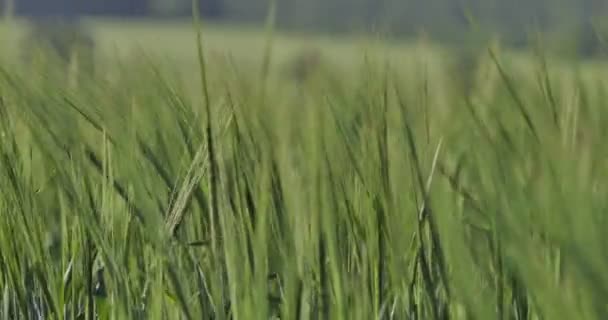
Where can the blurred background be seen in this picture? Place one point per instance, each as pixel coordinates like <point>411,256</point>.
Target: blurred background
<point>567,21</point>
<point>306,29</point>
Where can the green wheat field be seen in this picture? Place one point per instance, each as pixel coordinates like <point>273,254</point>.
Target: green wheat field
<point>232,174</point>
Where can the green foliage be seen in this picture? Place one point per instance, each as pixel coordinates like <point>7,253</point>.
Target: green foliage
<point>169,7</point>
<point>304,64</point>
<point>173,8</point>
<point>64,41</point>
<point>384,193</point>
<point>515,21</point>
<point>446,20</point>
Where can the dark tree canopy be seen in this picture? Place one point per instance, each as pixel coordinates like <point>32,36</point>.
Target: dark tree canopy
<point>71,8</point>
<point>451,20</point>
<point>44,8</point>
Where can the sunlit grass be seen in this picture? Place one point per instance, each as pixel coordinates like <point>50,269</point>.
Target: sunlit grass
<point>375,188</point>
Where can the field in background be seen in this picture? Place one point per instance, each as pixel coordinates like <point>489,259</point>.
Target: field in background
<point>172,41</point>
<point>394,181</point>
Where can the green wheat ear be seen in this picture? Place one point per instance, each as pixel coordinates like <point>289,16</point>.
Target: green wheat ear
<point>378,192</point>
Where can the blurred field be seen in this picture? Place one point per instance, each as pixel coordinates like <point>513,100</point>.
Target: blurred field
<point>174,40</point>
<point>390,181</point>
<point>171,42</point>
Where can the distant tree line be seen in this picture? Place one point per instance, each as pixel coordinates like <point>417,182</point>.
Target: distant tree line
<point>576,23</point>
<point>514,20</point>
<point>73,8</point>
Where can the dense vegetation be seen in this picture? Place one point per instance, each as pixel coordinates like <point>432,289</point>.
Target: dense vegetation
<point>393,189</point>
